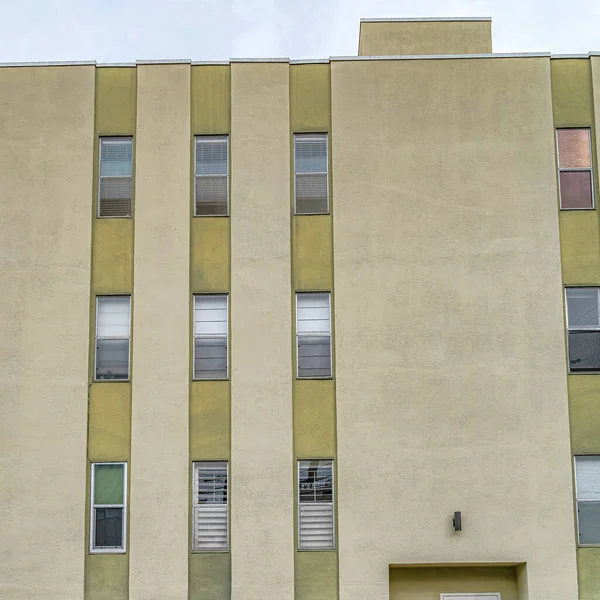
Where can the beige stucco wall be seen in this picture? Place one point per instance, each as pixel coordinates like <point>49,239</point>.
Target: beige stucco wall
<point>160,368</point>
<point>394,38</point>
<point>262,551</point>
<point>450,358</point>
<point>47,125</point>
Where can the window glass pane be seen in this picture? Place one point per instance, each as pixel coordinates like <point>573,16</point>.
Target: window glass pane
<point>311,193</point>
<point>574,148</point>
<point>116,158</point>
<point>108,484</point>
<point>211,196</point>
<point>584,350</point>
<point>211,478</point>
<point>310,153</point>
<point>108,528</point>
<point>113,316</point>
<point>587,474</point>
<point>315,481</point>
<point>313,313</point>
<point>588,515</point>
<point>314,356</point>
<point>576,189</point>
<point>115,197</point>
<point>112,359</point>
<point>210,315</point>
<point>210,358</point>
<point>211,156</point>
<point>582,307</point>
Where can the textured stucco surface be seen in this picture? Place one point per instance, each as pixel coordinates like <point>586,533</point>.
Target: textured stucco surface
<point>210,254</point>
<point>262,552</point>
<point>588,560</point>
<point>112,256</point>
<point>450,357</point>
<point>160,373</point>
<point>312,253</point>
<point>584,408</point>
<point>389,38</point>
<point>211,99</point>
<point>47,125</point>
<point>210,576</point>
<point>209,420</point>
<point>428,583</point>
<point>106,577</point>
<point>316,575</point>
<point>310,98</point>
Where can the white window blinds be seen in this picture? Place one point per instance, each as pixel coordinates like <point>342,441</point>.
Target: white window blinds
<point>210,506</point>
<point>583,328</point>
<point>211,187</point>
<point>210,336</point>
<point>112,337</point>
<point>587,481</point>
<point>313,333</point>
<point>315,505</point>
<point>311,195</point>
<point>115,182</point>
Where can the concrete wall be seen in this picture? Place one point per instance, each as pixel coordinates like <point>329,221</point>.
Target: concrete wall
<point>262,553</point>
<point>46,163</point>
<point>159,523</point>
<point>451,386</point>
<point>394,38</point>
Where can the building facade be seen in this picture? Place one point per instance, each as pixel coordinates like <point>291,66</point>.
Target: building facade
<point>269,325</point>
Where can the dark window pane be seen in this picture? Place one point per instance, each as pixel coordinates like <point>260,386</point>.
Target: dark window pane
<point>589,522</point>
<point>314,356</point>
<point>210,361</point>
<point>311,194</point>
<point>211,156</point>
<point>109,528</point>
<point>574,148</point>
<point>315,481</point>
<point>576,189</point>
<point>115,197</point>
<point>584,350</point>
<point>582,308</point>
<point>211,196</point>
<point>112,359</point>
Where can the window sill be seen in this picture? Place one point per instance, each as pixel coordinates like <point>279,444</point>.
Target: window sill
<point>325,214</point>
<point>107,551</point>
<point>111,381</point>
<point>570,209</point>
<point>209,551</point>
<point>314,378</point>
<point>115,217</point>
<point>210,216</point>
<point>316,549</point>
<point>584,372</point>
<point>215,379</point>
<point>589,545</point>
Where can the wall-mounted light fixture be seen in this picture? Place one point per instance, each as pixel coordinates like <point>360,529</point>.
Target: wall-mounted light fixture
<point>457,521</point>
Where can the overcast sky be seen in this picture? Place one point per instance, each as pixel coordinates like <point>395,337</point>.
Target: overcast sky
<point>126,30</point>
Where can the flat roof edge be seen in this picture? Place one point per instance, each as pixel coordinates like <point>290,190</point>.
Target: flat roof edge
<point>166,61</point>
<point>51,63</point>
<point>260,60</point>
<point>422,19</point>
<point>443,56</point>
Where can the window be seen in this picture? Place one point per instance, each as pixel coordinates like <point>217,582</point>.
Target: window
<point>311,188</point>
<point>470,596</point>
<point>210,336</point>
<point>112,337</point>
<point>109,493</point>
<point>575,168</point>
<point>315,505</point>
<point>583,328</point>
<point>313,333</point>
<point>115,185</point>
<point>210,513</point>
<point>587,484</point>
<point>211,171</point>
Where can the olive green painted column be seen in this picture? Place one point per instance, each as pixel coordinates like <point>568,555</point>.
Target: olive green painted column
<point>315,572</point>
<point>109,417</point>
<point>159,507</point>
<point>576,105</point>
<point>210,272</point>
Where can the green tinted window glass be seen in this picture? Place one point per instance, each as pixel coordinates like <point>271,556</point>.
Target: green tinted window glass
<point>108,484</point>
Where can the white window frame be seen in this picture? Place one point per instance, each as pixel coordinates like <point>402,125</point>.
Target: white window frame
<point>582,329</point>
<point>196,505</point>
<point>577,499</point>
<point>93,506</point>
<point>567,169</point>
<point>215,336</point>
<point>326,173</point>
<point>109,139</point>
<point>128,338</point>
<point>330,334</point>
<point>211,139</point>
<point>490,595</point>
<point>332,503</point>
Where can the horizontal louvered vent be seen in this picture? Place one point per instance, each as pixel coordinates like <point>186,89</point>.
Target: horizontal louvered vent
<point>316,526</point>
<point>210,527</point>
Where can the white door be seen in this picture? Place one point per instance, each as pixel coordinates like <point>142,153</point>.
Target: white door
<point>485,596</point>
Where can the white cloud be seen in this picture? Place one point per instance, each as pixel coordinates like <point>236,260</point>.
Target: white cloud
<point>124,30</point>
